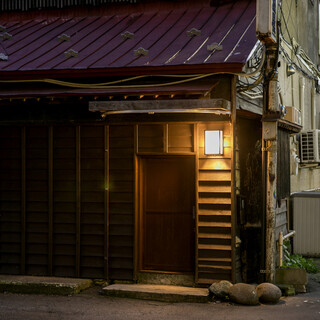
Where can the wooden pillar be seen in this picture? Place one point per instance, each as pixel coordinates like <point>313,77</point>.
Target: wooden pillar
<point>106,202</point>
<point>269,149</point>
<point>233,177</point>
<point>78,201</point>
<point>23,202</point>
<point>50,200</point>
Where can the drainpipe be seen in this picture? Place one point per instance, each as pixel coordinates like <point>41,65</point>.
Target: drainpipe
<point>301,100</point>
<point>313,109</point>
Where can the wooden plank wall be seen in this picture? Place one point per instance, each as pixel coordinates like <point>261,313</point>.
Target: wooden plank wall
<point>283,164</point>
<point>282,218</point>
<point>55,197</point>
<point>121,202</point>
<point>281,223</point>
<point>214,211</point>
<point>53,200</point>
<point>12,208</point>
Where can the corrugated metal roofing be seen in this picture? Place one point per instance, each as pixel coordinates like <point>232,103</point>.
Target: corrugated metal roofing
<point>9,5</point>
<point>199,39</point>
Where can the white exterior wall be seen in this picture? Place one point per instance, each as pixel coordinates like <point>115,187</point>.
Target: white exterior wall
<point>291,91</point>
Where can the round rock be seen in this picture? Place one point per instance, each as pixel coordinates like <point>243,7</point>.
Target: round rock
<point>220,289</point>
<point>268,292</point>
<point>243,293</point>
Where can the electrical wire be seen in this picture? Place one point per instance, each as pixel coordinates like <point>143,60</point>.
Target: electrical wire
<point>110,85</point>
<point>302,57</point>
<point>107,84</point>
<point>252,86</point>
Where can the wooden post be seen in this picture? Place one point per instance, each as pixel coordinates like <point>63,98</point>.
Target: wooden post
<point>269,149</point>
<point>280,249</point>
<point>106,202</point>
<point>23,201</point>
<point>78,202</point>
<point>50,201</point>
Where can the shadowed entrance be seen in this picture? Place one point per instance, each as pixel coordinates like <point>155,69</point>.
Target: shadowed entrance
<point>167,223</point>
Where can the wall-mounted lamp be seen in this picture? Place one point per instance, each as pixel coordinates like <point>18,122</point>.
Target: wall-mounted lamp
<point>290,70</point>
<point>213,142</point>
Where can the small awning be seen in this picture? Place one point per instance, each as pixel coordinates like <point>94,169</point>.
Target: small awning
<point>192,39</point>
<point>216,106</point>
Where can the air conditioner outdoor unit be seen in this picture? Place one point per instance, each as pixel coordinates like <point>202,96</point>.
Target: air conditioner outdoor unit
<point>310,146</point>
<point>293,115</point>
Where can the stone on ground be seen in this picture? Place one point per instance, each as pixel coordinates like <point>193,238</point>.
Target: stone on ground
<point>220,289</point>
<point>268,292</point>
<point>243,293</point>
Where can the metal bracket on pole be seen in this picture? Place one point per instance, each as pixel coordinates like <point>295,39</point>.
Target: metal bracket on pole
<point>269,130</point>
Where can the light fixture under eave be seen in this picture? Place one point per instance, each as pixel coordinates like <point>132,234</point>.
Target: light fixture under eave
<point>213,142</point>
<point>290,70</point>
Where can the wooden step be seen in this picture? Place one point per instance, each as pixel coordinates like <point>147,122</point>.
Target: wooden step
<point>213,247</point>
<point>225,268</point>
<point>214,200</point>
<point>214,164</point>
<point>214,176</point>
<point>214,224</point>
<point>214,189</point>
<point>215,259</point>
<point>214,236</point>
<point>207,212</point>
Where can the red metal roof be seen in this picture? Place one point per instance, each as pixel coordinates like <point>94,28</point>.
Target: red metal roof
<point>98,44</point>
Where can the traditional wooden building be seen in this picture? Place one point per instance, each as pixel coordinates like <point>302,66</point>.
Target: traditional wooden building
<point>106,109</point>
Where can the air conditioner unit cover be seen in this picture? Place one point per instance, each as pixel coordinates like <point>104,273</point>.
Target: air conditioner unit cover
<point>310,146</point>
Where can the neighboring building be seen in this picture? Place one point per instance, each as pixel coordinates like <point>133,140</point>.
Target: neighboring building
<point>105,109</point>
<point>300,51</point>
<point>299,88</point>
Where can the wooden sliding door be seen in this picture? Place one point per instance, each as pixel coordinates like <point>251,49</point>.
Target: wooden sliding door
<point>167,229</point>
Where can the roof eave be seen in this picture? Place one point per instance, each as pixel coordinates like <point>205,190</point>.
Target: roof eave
<point>226,68</point>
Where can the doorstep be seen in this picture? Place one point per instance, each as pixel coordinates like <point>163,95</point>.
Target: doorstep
<point>165,293</point>
<point>42,285</point>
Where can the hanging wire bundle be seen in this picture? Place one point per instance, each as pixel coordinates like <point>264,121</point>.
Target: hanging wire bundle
<point>251,85</point>
<point>302,63</point>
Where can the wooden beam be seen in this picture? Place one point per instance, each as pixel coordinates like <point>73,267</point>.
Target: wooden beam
<point>106,202</point>
<point>50,201</point>
<point>23,201</point>
<point>146,105</point>
<point>289,126</point>
<point>78,200</point>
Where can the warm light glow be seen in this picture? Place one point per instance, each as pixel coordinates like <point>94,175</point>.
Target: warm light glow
<point>213,142</point>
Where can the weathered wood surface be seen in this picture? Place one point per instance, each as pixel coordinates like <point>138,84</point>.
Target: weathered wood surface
<point>145,105</point>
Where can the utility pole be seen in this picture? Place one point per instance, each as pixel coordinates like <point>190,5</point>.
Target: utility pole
<point>267,33</point>
<point>269,156</point>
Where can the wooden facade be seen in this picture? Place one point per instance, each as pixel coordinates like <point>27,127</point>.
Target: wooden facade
<point>53,200</point>
<point>127,189</point>
<point>70,197</point>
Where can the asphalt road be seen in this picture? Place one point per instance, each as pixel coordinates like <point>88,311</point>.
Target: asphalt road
<point>90,305</point>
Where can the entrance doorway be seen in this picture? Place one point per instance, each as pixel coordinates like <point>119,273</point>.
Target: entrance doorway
<point>167,224</point>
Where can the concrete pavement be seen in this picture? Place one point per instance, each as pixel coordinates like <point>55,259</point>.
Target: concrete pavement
<point>68,286</point>
<point>89,304</point>
<point>42,285</point>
